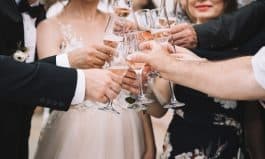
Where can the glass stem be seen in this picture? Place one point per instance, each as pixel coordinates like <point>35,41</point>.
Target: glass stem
<point>173,97</point>
<point>140,80</point>
<point>110,104</point>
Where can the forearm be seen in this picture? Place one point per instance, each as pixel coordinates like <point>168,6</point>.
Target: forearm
<point>148,133</point>
<point>160,88</point>
<point>37,84</point>
<point>231,79</point>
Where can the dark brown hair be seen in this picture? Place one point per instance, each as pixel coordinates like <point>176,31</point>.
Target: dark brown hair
<point>230,5</point>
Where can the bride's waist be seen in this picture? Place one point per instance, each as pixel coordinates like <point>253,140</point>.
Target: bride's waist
<point>87,105</point>
<point>119,101</point>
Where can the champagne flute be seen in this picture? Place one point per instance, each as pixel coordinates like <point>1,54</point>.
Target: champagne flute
<point>160,32</point>
<point>138,68</point>
<point>118,65</point>
<point>122,9</point>
<point>160,25</point>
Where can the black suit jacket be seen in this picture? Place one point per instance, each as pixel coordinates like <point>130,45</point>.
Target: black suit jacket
<point>23,86</point>
<point>246,25</point>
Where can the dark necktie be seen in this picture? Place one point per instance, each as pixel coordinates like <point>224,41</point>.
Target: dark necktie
<point>34,12</point>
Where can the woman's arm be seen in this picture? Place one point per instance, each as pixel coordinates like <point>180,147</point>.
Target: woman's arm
<point>48,39</point>
<point>150,149</point>
<point>161,90</point>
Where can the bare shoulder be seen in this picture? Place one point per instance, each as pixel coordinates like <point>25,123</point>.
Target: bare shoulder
<point>48,25</point>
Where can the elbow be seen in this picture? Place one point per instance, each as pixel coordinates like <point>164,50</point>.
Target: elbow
<point>157,114</point>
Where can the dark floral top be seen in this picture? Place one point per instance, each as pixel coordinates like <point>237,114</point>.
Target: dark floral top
<point>206,127</point>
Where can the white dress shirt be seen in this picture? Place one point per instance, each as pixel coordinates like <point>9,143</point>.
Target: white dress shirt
<point>258,65</point>
<point>61,60</point>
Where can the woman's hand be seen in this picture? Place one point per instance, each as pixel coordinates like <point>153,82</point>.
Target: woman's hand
<point>93,56</point>
<point>184,35</point>
<point>130,82</point>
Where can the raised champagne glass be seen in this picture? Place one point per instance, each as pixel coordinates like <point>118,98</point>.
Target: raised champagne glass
<point>122,9</point>
<point>133,48</point>
<point>160,32</point>
<point>119,64</point>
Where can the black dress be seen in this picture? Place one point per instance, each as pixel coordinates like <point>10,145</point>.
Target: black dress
<point>207,126</point>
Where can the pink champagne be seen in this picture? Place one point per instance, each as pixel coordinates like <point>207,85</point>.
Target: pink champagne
<point>160,33</point>
<point>136,65</point>
<point>163,22</point>
<point>122,12</point>
<point>118,70</point>
<point>112,40</point>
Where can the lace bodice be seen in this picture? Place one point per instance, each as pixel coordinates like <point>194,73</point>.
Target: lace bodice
<point>70,40</point>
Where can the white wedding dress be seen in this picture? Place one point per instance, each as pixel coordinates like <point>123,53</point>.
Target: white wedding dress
<point>89,133</point>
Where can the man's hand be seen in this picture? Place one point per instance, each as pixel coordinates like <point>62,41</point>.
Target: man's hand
<point>152,55</point>
<point>94,56</point>
<point>186,55</point>
<point>102,85</point>
<point>184,35</point>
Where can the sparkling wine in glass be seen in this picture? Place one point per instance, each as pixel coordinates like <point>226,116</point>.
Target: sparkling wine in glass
<point>112,40</point>
<point>118,70</point>
<point>122,12</point>
<point>122,9</point>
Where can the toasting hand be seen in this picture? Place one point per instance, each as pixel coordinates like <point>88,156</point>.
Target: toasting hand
<point>184,35</point>
<point>131,83</point>
<point>102,85</point>
<point>93,56</point>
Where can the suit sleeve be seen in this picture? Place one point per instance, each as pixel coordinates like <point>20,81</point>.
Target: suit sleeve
<point>50,60</point>
<point>232,29</point>
<point>36,84</point>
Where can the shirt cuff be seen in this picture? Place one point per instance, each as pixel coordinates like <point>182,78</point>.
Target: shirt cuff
<point>62,60</point>
<point>258,65</point>
<point>79,96</point>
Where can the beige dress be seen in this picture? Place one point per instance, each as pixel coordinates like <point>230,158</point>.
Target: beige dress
<point>89,133</point>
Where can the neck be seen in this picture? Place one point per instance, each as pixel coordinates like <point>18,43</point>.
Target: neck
<point>83,9</point>
<point>201,20</point>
